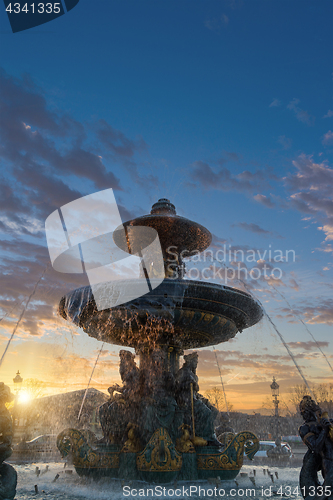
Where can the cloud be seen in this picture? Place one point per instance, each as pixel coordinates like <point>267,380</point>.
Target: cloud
<point>319,314</point>
<point>328,138</point>
<point>38,145</point>
<point>329,114</point>
<point>326,248</point>
<point>21,266</point>
<point>58,367</point>
<point>328,230</point>
<point>254,228</point>
<point>293,284</point>
<point>48,160</point>
<point>301,115</point>
<point>264,200</point>
<point>223,180</point>
<point>85,164</point>
<point>116,141</point>
<point>307,346</point>
<point>47,191</point>
<point>254,364</point>
<point>275,103</point>
<point>312,185</point>
<point>10,201</point>
<point>314,203</point>
<point>21,101</point>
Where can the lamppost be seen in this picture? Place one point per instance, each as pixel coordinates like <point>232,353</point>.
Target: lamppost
<point>275,393</point>
<point>17,384</point>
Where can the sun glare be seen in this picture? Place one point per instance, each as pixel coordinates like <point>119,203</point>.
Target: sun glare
<point>24,397</point>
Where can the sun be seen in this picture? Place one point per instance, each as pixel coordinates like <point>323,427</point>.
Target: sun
<point>24,397</point>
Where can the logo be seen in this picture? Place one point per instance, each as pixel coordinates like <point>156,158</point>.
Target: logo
<point>24,15</point>
<point>122,263</point>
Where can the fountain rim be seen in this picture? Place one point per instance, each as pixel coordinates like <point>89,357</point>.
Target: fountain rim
<point>231,291</point>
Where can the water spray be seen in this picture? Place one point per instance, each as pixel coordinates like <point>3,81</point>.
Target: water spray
<point>290,354</point>
<point>10,310</point>
<point>218,366</point>
<point>304,324</point>
<point>86,391</point>
<point>280,336</point>
<point>22,314</point>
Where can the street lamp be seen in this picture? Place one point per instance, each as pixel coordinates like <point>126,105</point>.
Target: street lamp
<point>275,393</point>
<point>17,382</point>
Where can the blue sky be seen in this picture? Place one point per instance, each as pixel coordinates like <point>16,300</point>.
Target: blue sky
<point>225,107</point>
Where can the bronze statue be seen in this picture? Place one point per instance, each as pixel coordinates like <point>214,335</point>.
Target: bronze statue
<point>193,404</point>
<point>6,424</point>
<point>116,413</point>
<point>316,433</point>
<point>129,373</point>
<point>8,476</point>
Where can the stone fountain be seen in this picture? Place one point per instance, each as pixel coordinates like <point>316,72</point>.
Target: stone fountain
<point>157,426</point>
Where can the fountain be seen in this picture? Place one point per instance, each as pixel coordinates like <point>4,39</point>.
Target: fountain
<point>157,427</point>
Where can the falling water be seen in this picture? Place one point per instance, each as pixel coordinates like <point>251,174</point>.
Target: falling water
<point>280,336</point>
<point>225,397</point>
<point>86,391</point>
<point>22,314</point>
<point>304,324</point>
<point>11,310</point>
<point>290,354</point>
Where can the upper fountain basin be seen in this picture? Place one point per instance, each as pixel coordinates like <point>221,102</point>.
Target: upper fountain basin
<point>184,313</point>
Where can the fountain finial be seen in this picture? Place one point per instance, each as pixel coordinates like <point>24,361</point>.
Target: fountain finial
<point>163,206</point>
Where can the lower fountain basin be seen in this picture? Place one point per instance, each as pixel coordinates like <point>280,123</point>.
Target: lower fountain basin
<point>205,462</point>
<point>184,313</point>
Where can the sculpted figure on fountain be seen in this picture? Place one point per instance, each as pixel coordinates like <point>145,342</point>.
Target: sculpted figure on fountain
<point>6,426</point>
<point>317,433</point>
<point>8,476</point>
<point>122,407</point>
<point>204,413</point>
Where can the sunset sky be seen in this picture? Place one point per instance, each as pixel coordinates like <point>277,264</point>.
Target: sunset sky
<point>222,106</point>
